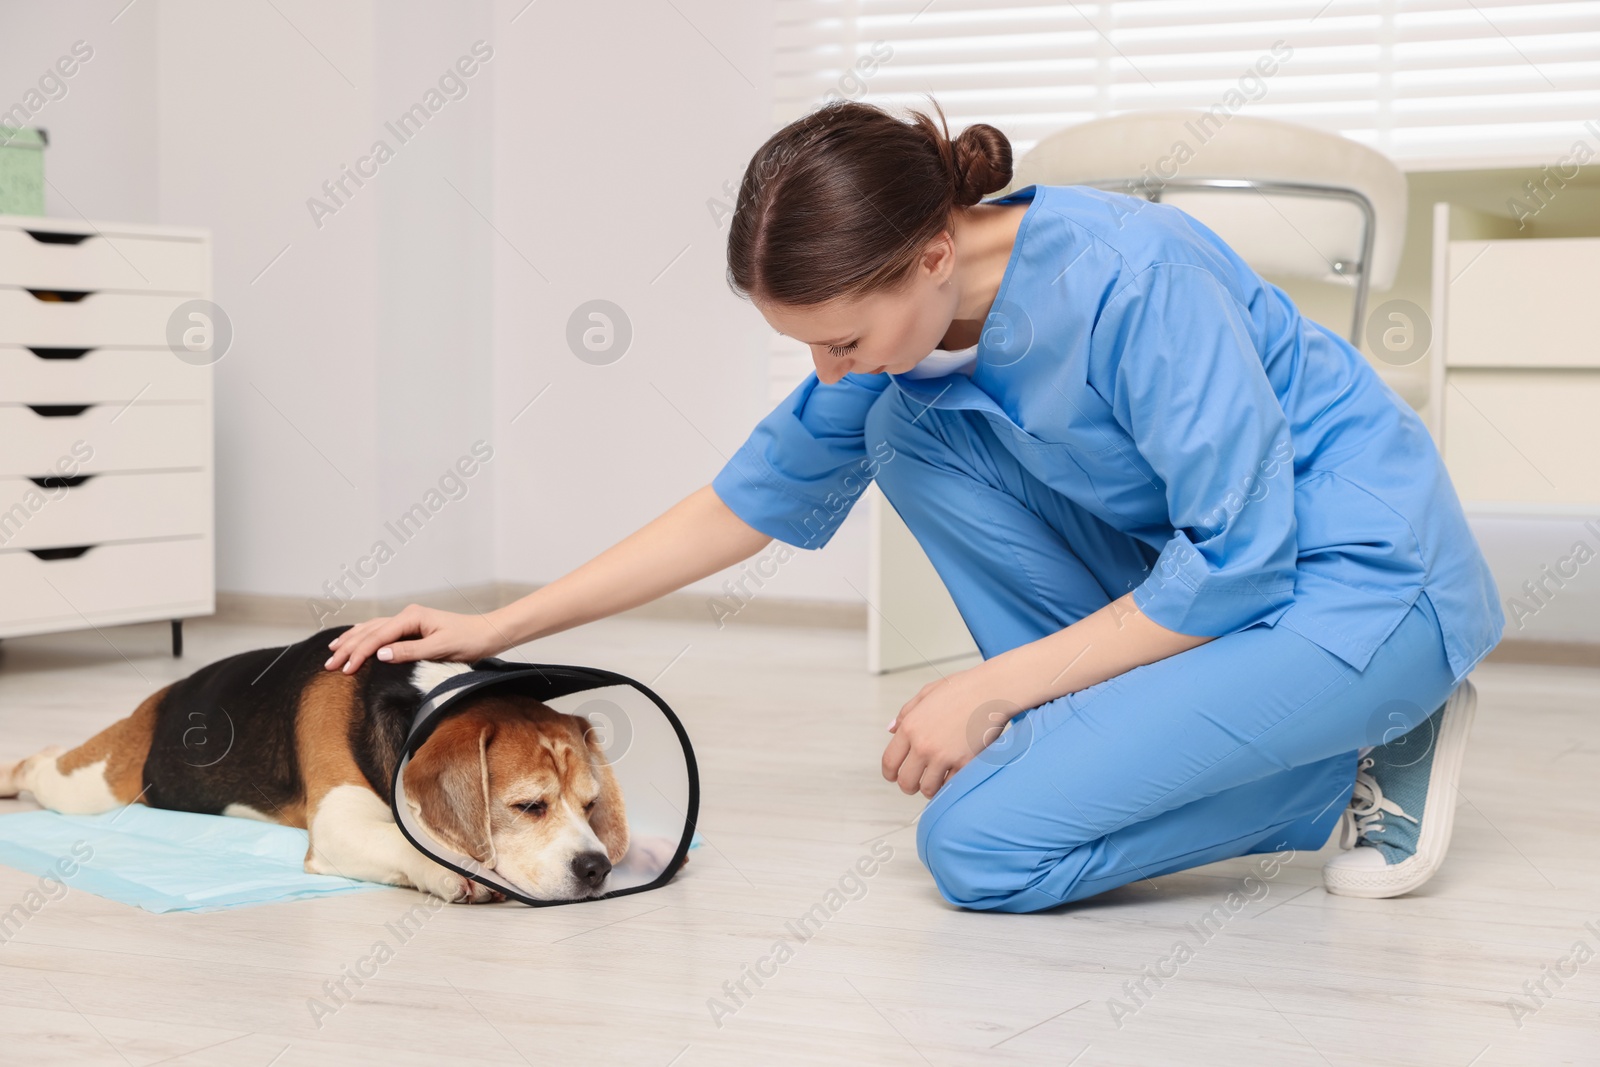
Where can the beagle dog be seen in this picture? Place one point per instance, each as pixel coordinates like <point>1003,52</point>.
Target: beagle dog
<point>520,787</point>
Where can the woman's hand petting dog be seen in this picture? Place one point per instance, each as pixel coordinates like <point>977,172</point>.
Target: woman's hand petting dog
<point>417,633</point>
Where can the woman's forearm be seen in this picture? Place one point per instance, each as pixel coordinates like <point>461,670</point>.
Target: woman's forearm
<point>694,538</point>
<point>1115,639</point>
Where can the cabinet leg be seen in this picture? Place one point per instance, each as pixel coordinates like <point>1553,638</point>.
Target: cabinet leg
<point>177,638</point>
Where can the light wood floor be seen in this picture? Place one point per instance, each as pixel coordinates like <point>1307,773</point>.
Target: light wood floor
<point>789,729</point>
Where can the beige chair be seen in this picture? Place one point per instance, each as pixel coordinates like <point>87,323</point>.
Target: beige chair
<point>1293,201</point>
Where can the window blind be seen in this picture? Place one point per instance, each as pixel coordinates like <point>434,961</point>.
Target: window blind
<point>1440,82</point>
<point>1421,80</point>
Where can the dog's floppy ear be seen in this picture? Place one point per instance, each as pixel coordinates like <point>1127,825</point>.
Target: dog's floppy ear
<point>447,785</point>
<point>609,820</point>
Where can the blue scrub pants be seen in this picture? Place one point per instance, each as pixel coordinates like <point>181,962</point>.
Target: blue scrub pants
<point>1246,744</point>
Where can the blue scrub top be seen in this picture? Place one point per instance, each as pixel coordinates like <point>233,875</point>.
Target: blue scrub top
<point>1139,367</point>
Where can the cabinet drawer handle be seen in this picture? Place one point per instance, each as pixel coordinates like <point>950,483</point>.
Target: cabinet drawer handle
<point>48,554</point>
<point>60,481</point>
<point>60,296</point>
<point>58,411</point>
<point>49,237</point>
<point>60,353</point>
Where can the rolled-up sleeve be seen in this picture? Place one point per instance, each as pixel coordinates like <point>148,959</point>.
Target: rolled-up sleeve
<point>804,466</point>
<point>1186,381</point>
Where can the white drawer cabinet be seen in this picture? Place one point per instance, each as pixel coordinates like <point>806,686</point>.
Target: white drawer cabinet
<point>1516,372</point>
<point>106,474</point>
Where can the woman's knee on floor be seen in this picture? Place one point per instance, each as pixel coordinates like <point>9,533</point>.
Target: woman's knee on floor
<point>971,864</point>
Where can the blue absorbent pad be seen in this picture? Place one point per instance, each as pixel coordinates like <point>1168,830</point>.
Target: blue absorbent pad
<point>163,861</point>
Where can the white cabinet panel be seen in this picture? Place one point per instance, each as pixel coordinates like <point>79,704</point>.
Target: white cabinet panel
<point>1524,303</point>
<point>1523,437</point>
<point>97,319</point>
<point>158,579</point>
<point>105,437</point>
<point>99,260</point>
<point>912,622</point>
<point>99,376</point>
<point>104,507</point>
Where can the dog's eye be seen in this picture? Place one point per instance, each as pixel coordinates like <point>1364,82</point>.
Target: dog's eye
<point>590,806</point>
<point>532,807</point>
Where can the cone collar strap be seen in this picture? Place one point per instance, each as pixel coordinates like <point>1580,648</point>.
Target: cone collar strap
<point>645,743</point>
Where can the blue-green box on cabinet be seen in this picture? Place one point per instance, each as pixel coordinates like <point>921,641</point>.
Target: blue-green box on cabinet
<point>22,171</point>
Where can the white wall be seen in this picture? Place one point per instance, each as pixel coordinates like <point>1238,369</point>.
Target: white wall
<point>102,160</point>
<point>360,369</point>
<point>373,350</point>
<point>252,121</point>
<point>435,382</point>
<point>607,149</point>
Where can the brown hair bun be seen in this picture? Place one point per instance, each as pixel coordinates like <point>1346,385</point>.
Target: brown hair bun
<point>843,201</point>
<point>982,158</point>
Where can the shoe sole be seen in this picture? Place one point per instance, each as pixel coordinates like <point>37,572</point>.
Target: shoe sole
<point>1438,814</point>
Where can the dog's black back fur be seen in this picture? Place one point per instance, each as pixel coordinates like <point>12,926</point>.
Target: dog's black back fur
<point>226,734</point>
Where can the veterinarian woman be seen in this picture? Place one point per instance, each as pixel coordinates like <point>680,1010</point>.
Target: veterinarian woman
<point>1222,585</point>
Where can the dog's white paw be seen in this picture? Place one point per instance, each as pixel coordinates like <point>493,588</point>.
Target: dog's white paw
<point>455,888</point>
<point>15,777</point>
<point>648,855</point>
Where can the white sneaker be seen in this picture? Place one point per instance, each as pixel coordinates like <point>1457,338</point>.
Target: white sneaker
<point>1402,810</point>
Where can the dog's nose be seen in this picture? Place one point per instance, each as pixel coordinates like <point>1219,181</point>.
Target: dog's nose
<point>591,868</point>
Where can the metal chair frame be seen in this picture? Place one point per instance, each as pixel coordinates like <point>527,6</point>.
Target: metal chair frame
<point>1359,271</point>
